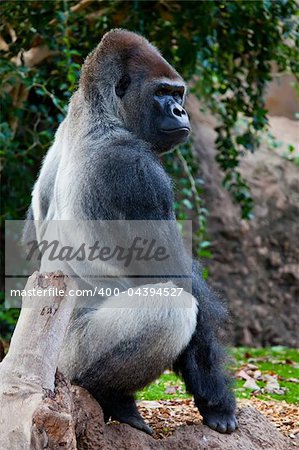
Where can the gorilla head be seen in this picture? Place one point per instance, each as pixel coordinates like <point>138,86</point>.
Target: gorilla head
<point>131,81</point>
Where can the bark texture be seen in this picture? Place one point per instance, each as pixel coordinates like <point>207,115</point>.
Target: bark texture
<point>27,373</point>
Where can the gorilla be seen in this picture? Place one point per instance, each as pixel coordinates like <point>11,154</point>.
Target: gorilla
<point>105,165</point>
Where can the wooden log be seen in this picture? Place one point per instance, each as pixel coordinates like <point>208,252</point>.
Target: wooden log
<point>28,370</point>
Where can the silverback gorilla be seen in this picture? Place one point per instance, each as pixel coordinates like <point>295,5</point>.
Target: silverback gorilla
<point>104,165</point>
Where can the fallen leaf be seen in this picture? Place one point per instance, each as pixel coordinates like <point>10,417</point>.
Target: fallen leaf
<point>252,366</point>
<point>172,389</point>
<point>242,374</point>
<point>257,375</point>
<point>251,384</point>
<point>272,385</point>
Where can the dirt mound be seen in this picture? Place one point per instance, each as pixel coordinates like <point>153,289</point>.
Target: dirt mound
<point>72,419</point>
<point>255,265</point>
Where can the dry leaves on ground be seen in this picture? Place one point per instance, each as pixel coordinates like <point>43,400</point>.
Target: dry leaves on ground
<point>251,374</point>
<point>166,416</point>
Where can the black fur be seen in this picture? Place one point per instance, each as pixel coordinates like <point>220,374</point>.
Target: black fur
<point>202,363</point>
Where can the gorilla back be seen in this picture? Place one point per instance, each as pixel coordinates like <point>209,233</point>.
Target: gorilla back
<point>104,165</point>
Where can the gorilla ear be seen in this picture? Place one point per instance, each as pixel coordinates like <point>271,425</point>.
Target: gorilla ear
<point>122,86</point>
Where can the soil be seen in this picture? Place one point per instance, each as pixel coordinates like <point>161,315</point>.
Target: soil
<point>254,264</point>
<point>178,426</point>
<point>167,416</point>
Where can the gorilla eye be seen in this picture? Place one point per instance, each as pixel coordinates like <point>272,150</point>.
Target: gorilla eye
<point>122,86</point>
<point>177,94</point>
<point>161,92</point>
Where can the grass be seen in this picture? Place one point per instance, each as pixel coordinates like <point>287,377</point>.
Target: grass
<point>280,361</point>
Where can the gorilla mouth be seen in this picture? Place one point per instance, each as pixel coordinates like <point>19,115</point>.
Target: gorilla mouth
<point>175,130</point>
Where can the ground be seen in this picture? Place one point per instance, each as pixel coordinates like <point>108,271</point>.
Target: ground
<point>266,388</point>
<point>266,378</point>
<point>165,416</point>
<point>266,373</point>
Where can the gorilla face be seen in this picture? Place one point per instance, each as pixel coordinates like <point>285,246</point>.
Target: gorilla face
<point>170,119</point>
<point>154,111</point>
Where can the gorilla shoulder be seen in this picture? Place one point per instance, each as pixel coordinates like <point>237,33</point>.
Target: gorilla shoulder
<point>127,181</point>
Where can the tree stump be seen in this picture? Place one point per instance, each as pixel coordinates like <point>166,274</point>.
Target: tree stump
<point>27,373</point>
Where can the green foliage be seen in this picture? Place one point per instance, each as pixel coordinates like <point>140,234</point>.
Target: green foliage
<point>288,153</point>
<point>159,390</point>
<point>276,361</point>
<point>225,47</point>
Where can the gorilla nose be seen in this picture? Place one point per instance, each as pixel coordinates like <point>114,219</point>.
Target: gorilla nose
<point>178,111</point>
<point>177,118</point>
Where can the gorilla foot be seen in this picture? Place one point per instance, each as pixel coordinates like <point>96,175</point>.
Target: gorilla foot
<point>136,421</point>
<point>124,409</point>
<point>221,422</point>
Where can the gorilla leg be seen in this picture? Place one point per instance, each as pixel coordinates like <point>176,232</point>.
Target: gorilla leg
<point>122,407</point>
<point>200,365</point>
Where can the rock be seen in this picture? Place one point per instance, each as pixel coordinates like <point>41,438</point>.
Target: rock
<point>255,433</point>
<point>281,98</point>
<point>255,268</point>
<point>251,384</point>
<point>72,419</point>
